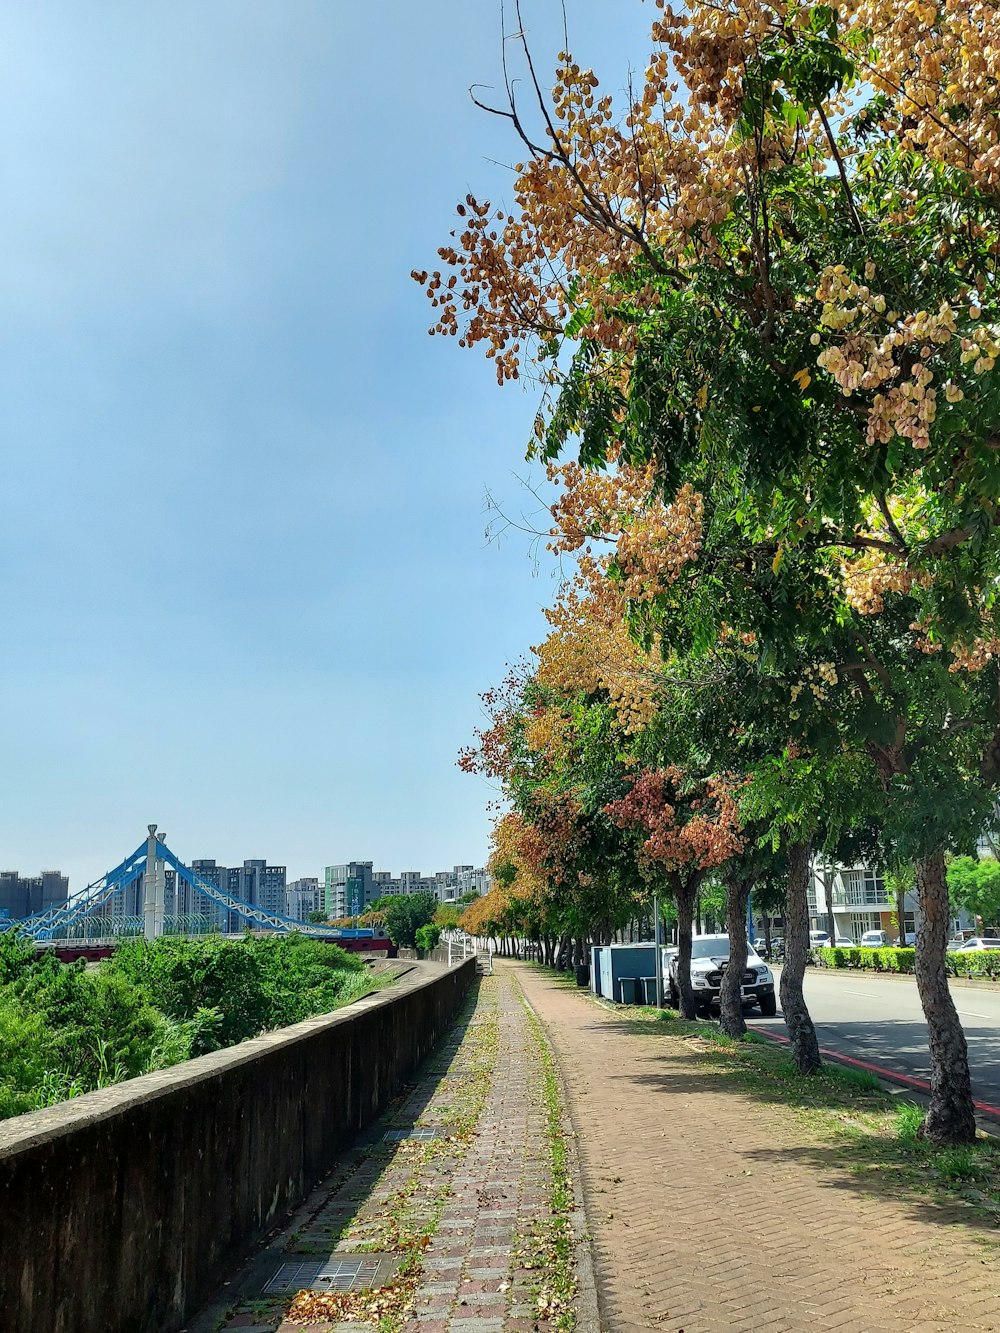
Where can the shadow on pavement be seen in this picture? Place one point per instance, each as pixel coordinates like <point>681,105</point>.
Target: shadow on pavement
<point>944,1187</point>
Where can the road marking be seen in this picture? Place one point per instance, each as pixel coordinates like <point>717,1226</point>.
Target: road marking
<point>869,995</point>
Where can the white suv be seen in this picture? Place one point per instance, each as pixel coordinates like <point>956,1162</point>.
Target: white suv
<point>709,959</point>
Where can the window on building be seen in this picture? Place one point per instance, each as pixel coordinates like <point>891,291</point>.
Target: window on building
<point>862,921</point>
<point>865,888</point>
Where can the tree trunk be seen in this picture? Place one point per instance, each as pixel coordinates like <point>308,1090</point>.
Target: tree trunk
<point>951,1116</point>
<point>901,915</point>
<point>828,876</point>
<point>732,1021</point>
<point>767,934</point>
<point>684,897</point>
<point>805,1047</point>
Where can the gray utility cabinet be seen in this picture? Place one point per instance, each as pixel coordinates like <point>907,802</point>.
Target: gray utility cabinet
<point>617,971</point>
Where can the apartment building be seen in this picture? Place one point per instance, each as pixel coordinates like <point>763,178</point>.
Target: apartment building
<point>349,888</point>
<point>24,895</point>
<point>303,896</point>
<point>861,902</point>
<point>353,886</point>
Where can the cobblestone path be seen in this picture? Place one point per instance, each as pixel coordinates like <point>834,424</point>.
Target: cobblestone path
<point>454,1219</point>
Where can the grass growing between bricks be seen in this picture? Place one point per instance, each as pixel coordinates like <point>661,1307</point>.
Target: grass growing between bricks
<point>859,1128</point>
<point>547,1246</point>
<point>405,1220</point>
<point>389,1196</point>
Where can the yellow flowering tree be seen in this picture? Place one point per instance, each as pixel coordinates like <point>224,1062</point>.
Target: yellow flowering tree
<point>761,297</point>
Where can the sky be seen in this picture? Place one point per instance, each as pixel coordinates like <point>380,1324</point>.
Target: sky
<point>245,587</point>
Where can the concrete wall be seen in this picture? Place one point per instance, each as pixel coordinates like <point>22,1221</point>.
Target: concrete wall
<point>124,1210</point>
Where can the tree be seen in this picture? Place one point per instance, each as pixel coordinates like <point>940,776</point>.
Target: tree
<point>446,916</point>
<point>772,297</point>
<point>404,914</point>
<point>975,885</point>
<point>560,757</point>
<point>686,827</point>
<point>900,879</point>
<point>427,938</point>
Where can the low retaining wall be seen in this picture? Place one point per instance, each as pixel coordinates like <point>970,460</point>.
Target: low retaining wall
<point>124,1210</point>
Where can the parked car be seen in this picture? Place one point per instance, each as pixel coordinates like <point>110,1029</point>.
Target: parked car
<point>977,942</point>
<point>820,939</point>
<point>874,939</point>
<point>709,959</point>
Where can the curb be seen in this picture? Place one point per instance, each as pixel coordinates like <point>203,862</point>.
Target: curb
<point>919,1087</point>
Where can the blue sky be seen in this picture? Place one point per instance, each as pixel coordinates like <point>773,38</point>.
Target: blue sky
<point>243,577</point>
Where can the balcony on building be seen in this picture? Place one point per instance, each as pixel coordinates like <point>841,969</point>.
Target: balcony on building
<point>859,890</point>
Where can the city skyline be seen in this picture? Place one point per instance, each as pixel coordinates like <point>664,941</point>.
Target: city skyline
<point>36,872</point>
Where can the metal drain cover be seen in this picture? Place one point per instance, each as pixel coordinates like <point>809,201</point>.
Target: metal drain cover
<point>335,1273</point>
<point>398,1135</point>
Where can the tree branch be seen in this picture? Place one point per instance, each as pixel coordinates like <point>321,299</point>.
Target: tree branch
<point>890,522</point>
<point>852,207</point>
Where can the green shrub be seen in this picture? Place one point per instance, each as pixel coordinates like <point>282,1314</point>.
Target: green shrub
<point>427,938</point>
<point>974,963</point>
<point>966,963</point>
<point>67,1029</point>
<point>835,957</point>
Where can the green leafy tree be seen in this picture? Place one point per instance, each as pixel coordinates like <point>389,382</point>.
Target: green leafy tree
<point>778,289</point>
<point>975,885</point>
<point>446,916</point>
<point>404,914</point>
<point>427,938</point>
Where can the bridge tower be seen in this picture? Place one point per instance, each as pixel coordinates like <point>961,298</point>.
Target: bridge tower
<point>154,883</point>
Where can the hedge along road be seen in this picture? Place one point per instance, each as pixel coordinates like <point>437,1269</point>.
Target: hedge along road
<point>878,1019</point>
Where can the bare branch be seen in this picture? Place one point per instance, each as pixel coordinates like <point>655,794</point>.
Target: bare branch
<point>851,205</point>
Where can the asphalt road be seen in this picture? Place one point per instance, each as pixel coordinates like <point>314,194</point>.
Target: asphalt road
<point>879,1019</point>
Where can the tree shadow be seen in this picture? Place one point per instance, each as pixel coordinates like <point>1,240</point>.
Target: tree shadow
<point>856,1153</point>
<point>341,1213</point>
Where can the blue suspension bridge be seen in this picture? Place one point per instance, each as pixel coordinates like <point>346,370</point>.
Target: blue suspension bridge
<point>98,915</point>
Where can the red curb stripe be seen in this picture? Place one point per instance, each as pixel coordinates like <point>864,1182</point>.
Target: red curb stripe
<point>892,1075</point>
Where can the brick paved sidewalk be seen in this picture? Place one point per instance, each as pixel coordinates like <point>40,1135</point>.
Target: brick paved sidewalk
<point>452,1223</point>
<point>661,1141</point>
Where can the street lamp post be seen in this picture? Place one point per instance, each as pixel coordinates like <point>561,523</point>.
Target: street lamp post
<point>659,951</point>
